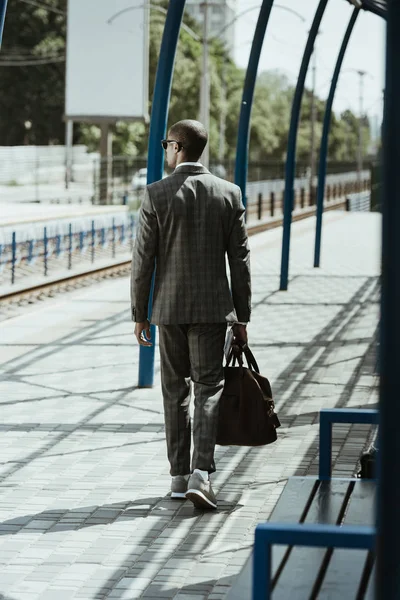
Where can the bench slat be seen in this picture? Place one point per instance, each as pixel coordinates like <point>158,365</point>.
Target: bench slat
<point>303,565</point>
<point>344,573</point>
<point>288,510</point>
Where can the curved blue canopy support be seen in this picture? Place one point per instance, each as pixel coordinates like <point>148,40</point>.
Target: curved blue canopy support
<point>388,549</point>
<point>3,10</point>
<point>292,141</point>
<point>158,126</point>
<point>323,154</point>
<point>242,151</point>
<point>378,7</point>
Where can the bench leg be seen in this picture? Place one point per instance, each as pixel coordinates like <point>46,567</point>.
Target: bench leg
<point>338,415</point>
<point>324,536</point>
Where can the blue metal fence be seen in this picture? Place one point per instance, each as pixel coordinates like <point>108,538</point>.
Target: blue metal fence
<point>74,246</point>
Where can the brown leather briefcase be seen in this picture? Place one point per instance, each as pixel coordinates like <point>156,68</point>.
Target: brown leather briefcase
<point>246,408</point>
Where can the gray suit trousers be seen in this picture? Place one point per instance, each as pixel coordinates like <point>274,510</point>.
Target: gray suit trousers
<point>191,353</point>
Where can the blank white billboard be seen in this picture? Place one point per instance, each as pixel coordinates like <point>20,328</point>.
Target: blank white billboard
<point>107,60</point>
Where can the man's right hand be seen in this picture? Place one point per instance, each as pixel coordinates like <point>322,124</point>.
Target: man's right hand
<point>240,333</point>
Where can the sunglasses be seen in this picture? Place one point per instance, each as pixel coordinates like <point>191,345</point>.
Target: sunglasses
<point>164,144</point>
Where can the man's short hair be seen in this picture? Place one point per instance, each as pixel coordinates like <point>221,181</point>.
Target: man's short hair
<point>193,137</point>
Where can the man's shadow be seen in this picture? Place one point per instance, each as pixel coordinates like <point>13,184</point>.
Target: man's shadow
<point>60,519</point>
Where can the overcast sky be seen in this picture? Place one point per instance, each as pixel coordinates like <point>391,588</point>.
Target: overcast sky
<point>286,37</point>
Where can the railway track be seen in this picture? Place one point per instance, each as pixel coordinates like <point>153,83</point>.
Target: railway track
<point>13,300</point>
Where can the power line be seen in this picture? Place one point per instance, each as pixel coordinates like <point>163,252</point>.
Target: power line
<point>28,56</point>
<point>31,63</point>
<point>45,6</point>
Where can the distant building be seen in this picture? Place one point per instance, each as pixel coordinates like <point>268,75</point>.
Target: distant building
<point>221,13</point>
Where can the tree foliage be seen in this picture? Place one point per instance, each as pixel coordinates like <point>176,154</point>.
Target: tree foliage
<point>35,94</point>
<point>32,93</point>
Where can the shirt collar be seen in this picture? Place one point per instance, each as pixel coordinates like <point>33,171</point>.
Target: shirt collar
<point>189,164</point>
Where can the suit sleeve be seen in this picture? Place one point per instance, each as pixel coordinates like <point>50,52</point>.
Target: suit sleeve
<point>239,264</point>
<point>143,259</point>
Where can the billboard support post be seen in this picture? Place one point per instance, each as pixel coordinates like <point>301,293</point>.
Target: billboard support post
<point>105,162</point>
<point>69,129</point>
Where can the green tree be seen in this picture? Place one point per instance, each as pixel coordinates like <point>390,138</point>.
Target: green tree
<point>36,94</point>
<point>33,93</point>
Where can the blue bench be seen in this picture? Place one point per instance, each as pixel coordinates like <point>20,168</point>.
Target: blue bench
<point>314,524</point>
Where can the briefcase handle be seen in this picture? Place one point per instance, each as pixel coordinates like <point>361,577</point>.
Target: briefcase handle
<point>237,350</point>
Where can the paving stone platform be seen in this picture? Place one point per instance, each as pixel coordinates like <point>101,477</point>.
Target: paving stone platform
<point>84,506</point>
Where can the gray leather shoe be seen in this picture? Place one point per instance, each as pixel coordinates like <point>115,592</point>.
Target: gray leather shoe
<point>200,492</point>
<point>179,486</point>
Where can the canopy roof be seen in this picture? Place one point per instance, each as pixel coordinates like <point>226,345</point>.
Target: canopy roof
<point>379,7</point>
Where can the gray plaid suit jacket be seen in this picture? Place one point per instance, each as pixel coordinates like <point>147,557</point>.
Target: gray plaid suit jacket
<point>188,223</point>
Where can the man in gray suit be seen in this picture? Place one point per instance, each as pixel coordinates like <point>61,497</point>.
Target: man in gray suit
<point>188,223</point>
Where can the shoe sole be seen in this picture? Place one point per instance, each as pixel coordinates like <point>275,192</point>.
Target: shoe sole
<point>199,499</point>
<point>178,495</point>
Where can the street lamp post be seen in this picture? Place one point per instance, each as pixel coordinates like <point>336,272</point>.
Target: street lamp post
<point>222,117</point>
<point>313,118</point>
<point>313,121</point>
<point>361,74</point>
<point>360,130</point>
<point>205,82</point>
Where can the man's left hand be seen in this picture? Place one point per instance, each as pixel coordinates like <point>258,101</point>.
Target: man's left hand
<point>143,333</point>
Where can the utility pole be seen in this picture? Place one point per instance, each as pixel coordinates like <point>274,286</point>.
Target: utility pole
<point>313,149</point>
<point>313,119</point>
<point>205,83</point>
<point>205,76</point>
<point>222,116</point>
<point>360,130</point>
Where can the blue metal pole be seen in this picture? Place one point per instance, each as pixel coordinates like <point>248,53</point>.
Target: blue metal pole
<point>3,10</point>
<point>323,153</point>
<point>242,152</point>
<point>158,127</point>
<point>93,241</point>
<point>13,256</point>
<point>58,245</point>
<point>70,246</point>
<point>45,250</point>
<point>292,140</point>
<point>325,447</point>
<point>113,237</point>
<point>388,556</point>
<point>131,226</point>
<point>261,567</point>
<point>82,235</point>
